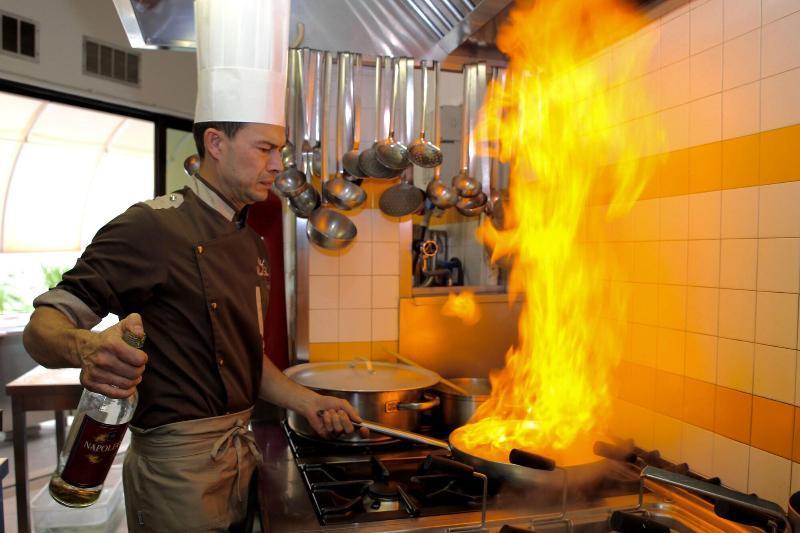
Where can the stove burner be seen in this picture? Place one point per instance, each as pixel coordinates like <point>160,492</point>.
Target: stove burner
<point>383,490</point>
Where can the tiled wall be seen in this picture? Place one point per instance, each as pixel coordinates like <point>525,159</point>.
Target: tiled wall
<point>712,250</point>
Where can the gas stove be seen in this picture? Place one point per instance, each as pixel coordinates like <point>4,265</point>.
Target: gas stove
<point>316,486</point>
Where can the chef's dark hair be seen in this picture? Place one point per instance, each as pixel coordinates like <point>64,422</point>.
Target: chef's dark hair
<point>199,129</point>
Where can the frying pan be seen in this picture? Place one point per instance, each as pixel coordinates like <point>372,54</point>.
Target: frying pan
<point>539,475</point>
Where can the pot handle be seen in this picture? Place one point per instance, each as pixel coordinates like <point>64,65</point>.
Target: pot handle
<point>431,401</point>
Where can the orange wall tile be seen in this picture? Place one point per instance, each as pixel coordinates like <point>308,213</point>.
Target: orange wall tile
<point>732,413</point>
<point>780,157</point>
<point>773,426</point>
<point>705,167</point>
<point>323,351</point>
<point>740,162</point>
<point>669,394</point>
<point>643,385</point>
<point>698,403</point>
<point>673,173</point>
<point>353,350</point>
<point>796,440</point>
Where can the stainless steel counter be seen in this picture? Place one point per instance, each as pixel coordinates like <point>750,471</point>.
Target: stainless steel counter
<point>286,505</point>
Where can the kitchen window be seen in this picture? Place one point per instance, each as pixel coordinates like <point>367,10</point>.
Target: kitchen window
<point>65,170</point>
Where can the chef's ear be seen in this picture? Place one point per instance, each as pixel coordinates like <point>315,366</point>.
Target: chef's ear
<point>213,139</point>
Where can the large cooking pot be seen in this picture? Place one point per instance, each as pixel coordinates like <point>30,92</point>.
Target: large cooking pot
<point>457,408</point>
<point>387,393</point>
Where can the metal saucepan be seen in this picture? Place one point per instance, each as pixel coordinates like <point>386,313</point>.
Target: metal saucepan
<point>579,475</point>
<point>390,393</point>
<point>457,408</point>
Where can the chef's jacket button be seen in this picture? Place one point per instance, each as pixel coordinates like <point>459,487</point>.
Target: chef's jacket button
<point>172,197</point>
<point>213,306</point>
<point>221,362</point>
<point>199,248</point>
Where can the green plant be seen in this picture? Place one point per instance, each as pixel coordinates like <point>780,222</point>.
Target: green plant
<point>8,300</point>
<point>52,275</point>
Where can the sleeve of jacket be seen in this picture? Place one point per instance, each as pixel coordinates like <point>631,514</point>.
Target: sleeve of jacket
<point>117,273</point>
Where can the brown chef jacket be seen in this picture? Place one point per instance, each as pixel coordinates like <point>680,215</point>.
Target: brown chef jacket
<point>199,276</point>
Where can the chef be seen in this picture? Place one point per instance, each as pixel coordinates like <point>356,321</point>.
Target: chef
<point>186,270</point>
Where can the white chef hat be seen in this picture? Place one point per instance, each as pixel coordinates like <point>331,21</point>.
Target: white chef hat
<point>242,48</point>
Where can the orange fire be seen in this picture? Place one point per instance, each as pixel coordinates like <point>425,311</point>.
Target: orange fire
<point>462,306</point>
<point>570,122</point>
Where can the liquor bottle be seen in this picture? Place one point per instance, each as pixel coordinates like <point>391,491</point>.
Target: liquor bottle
<point>94,438</point>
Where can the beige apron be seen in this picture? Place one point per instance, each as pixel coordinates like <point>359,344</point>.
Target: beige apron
<point>190,476</point>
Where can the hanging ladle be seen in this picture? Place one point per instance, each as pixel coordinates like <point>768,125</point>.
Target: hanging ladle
<point>291,181</point>
<point>438,192</point>
<point>339,191</point>
<point>191,165</point>
<point>391,152</point>
<point>350,159</point>
<point>465,184</point>
<point>422,152</point>
<point>327,228</point>
<point>306,199</point>
<point>368,159</point>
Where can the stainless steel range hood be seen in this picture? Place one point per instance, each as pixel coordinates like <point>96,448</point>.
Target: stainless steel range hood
<point>423,29</point>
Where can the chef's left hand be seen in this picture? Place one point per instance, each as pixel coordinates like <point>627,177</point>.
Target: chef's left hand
<point>330,416</point>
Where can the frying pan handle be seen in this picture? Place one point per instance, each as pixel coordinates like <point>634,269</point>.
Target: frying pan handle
<point>449,466</point>
<point>615,453</point>
<point>400,434</point>
<point>531,460</point>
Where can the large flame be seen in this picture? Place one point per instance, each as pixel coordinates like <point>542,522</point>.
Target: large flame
<point>566,132</point>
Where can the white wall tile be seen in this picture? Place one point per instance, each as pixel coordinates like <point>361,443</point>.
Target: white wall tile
<point>776,319</point>
<point>362,218</point>
<point>704,215</point>
<point>384,228</point>
<point>356,259</point>
<point>671,350</point>
<point>698,449</point>
<point>672,262</point>
<point>730,460</point>
<point>702,310</point>
<point>676,127</point>
<point>355,292</point>
<point>740,213</point>
<point>701,357</point>
<point>741,111</point>
<point>323,325</point>
<point>795,477</point>
<point>737,310</point>
<point>738,263</point>
<point>385,292</point>
<point>778,215</point>
<point>646,220</point>
<point>778,265</point>
<point>706,26</point>
<point>644,303</point>
<point>672,306</point>
<point>770,476</point>
<point>780,45</point>
<point>644,343</point>
<point>735,364</point>
<point>797,384</point>
<point>706,73</point>
<point>675,82</point>
<point>323,262</point>
<point>646,262</point>
<point>779,102</point>
<point>675,37</point>
<point>384,324</point>
<point>355,325</point>
<point>703,268</point>
<point>742,60</point>
<point>323,292</point>
<point>386,258</point>
<point>775,9</point>
<point>705,120</point>
<point>674,217</point>
<point>668,433</point>
<point>741,16</point>
<point>774,373</point>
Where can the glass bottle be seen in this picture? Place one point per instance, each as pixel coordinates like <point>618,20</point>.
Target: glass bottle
<point>94,438</point>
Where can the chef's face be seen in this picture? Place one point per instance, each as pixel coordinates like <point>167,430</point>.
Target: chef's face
<point>249,162</point>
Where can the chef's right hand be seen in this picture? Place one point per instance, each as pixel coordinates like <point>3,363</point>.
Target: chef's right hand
<point>109,365</point>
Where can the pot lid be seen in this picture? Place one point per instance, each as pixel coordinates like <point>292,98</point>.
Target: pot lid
<point>354,376</point>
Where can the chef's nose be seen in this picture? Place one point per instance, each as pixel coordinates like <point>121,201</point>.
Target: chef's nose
<point>274,164</point>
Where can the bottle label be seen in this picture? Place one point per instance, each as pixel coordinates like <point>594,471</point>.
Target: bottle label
<point>92,453</point>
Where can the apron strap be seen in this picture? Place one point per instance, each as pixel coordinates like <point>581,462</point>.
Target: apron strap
<point>235,436</point>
